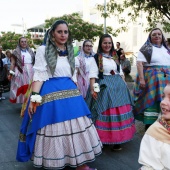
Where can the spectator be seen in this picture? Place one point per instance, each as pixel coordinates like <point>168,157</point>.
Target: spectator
<point>79,50</point>
<point>2,55</point>
<point>7,60</point>
<point>3,79</point>
<point>119,50</point>
<point>126,67</point>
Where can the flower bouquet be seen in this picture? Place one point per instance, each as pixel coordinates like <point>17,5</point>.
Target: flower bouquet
<point>36,100</point>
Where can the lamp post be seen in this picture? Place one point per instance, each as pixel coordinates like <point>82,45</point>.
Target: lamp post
<point>104,16</point>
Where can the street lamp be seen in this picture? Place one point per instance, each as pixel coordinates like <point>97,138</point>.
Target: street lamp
<point>104,16</point>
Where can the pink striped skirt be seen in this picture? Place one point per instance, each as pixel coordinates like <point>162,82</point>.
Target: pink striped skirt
<point>116,125</point>
<point>20,83</point>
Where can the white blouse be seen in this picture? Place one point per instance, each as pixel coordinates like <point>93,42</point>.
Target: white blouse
<point>108,66</point>
<point>154,154</point>
<point>159,57</point>
<point>91,66</point>
<point>88,62</point>
<point>42,71</point>
<point>26,57</point>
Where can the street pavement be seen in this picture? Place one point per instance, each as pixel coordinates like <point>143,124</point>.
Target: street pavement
<point>10,121</point>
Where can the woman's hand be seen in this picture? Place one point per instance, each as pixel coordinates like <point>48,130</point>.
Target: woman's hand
<point>32,108</point>
<point>142,84</point>
<point>94,94</point>
<point>9,77</point>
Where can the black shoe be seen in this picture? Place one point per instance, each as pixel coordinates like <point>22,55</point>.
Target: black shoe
<point>117,147</point>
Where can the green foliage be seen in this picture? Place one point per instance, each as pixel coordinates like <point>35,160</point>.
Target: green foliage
<point>80,29</point>
<point>37,41</point>
<point>157,11</point>
<point>9,40</point>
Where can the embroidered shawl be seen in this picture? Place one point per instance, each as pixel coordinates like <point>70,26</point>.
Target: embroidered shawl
<point>99,60</point>
<point>18,58</point>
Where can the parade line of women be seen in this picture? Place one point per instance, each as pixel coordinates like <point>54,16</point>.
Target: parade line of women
<point>66,120</point>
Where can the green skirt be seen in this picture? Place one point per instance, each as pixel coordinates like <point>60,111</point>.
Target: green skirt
<point>150,115</point>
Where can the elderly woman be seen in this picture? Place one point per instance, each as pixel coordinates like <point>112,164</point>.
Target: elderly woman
<point>83,63</point>
<point>21,71</point>
<point>153,65</point>
<point>155,146</point>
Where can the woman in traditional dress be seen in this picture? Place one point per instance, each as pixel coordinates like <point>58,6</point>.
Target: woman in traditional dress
<point>155,145</point>
<point>112,108</point>
<point>83,63</point>
<point>153,65</point>
<point>60,131</point>
<point>21,71</point>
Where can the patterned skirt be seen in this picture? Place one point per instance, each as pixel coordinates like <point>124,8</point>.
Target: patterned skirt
<point>147,101</point>
<point>61,132</point>
<point>112,111</point>
<point>20,83</point>
<point>70,143</point>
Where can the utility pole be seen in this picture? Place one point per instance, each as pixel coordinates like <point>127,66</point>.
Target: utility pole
<point>104,16</point>
<point>23,28</point>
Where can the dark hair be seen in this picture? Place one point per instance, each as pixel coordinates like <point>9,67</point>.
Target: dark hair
<point>99,49</point>
<point>45,37</point>
<point>58,22</point>
<point>118,43</point>
<point>86,41</point>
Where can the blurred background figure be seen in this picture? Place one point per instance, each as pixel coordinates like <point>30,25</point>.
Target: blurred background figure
<point>2,55</point>
<point>119,50</point>
<point>79,50</point>
<point>7,60</point>
<point>83,62</point>
<point>3,79</point>
<point>22,60</point>
<point>126,67</point>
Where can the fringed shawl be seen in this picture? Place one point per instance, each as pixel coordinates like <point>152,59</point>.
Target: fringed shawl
<point>51,53</point>
<point>18,59</point>
<point>99,61</point>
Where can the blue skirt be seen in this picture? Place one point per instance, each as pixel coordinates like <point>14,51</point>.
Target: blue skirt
<point>61,101</point>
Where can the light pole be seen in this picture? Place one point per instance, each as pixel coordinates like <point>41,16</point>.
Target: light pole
<point>104,16</point>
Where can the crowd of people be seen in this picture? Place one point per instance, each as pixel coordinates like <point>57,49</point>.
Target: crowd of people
<point>74,106</point>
